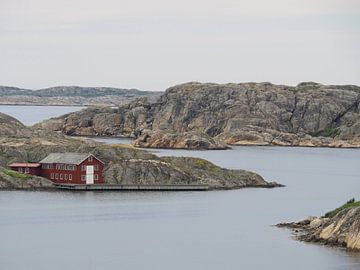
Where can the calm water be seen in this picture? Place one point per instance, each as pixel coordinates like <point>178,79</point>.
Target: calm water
<point>187,230</point>
<point>30,115</point>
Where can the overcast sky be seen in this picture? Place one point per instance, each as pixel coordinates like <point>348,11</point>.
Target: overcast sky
<point>152,45</point>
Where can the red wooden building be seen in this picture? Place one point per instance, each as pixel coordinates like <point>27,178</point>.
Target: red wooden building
<point>27,168</point>
<point>66,168</point>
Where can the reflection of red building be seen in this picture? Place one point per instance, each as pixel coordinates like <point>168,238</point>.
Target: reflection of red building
<point>66,168</point>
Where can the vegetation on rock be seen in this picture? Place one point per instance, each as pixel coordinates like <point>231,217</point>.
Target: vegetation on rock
<point>349,204</point>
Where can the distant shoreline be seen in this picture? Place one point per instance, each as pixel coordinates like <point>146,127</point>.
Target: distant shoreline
<point>43,105</point>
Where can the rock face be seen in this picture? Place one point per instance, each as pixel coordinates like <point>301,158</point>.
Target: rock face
<point>124,164</point>
<point>342,230</point>
<point>309,114</point>
<point>185,140</point>
<point>72,95</point>
<point>10,126</point>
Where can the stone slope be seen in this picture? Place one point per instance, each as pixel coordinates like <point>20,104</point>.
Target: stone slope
<point>309,114</point>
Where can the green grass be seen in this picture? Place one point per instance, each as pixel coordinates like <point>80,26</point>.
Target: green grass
<point>349,204</point>
<point>326,132</point>
<point>16,174</point>
<point>200,163</point>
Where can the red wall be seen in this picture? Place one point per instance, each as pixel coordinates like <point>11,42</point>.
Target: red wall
<point>32,170</point>
<point>76,175</point>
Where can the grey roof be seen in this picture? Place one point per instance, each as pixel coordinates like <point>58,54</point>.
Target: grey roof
<point>67,158</point>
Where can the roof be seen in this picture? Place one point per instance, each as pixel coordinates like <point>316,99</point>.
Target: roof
<point>29,165</point>
<point>67,158</point>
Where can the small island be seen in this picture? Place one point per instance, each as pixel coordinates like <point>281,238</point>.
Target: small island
<point>22,146</point>
<point>339,227</point>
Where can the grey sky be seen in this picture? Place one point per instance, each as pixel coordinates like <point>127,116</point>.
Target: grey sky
<point>152,45</point>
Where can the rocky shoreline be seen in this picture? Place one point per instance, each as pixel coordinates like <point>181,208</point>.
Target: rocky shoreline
<point>214,116</point>
<point>340,228</point>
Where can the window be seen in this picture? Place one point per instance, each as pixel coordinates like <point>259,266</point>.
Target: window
<point>96,177</point>
<point>66,177</point>
<point>20,170</point>
<point>52,176</point>
<point>90,159</point>
<point>83,168</point>
<point>60,166</point>
<point>70,177</point>
<point>56,176</point>
<point>61,176</point>
<point>47,166</point>
<point>96,168</point>
<point>83,177</point>
<point>70,167</point>
<point>27,170</point>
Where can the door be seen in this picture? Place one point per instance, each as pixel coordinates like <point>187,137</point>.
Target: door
<point>89,175</point>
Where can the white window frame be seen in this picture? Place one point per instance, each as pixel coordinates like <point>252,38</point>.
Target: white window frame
<point>96,177</point>
<point>83,177</point>
<point>70,177</point>
<point>65,177</point>
<point>20,170</point>
<point>83,167</point>
<point>90,158</point>
<point>27,170</point>
<point>56,176</point>
<point>52,176</point>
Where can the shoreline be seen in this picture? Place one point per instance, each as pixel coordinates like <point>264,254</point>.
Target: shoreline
<point>45,105</point>
<point>201,149</point>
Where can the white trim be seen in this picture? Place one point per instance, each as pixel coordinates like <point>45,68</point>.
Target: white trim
<point>93,157</point>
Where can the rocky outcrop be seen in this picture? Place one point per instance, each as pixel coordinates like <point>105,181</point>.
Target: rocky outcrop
<point>124,164</point>
<point>10,126</point>
<point>342,229</point>
<point>309,114</point>
<point>13,180</point>
<point>185,140</point>
<point>72,95</point>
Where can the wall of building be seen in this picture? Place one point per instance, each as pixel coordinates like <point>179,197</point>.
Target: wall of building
<point>32,170</point>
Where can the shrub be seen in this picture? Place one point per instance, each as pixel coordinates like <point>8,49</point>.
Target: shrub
<point>326,132</point>
<point>349,204</point>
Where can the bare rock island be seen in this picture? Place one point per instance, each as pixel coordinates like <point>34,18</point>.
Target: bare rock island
<point>211,116</point>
